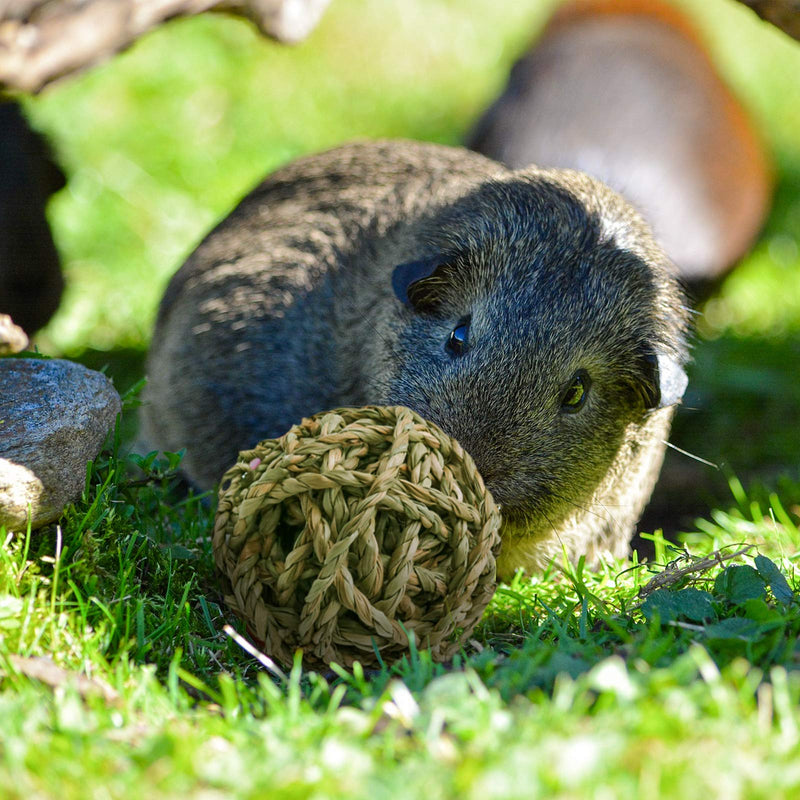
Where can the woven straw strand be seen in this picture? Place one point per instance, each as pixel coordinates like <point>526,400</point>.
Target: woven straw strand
<point>353,526</point>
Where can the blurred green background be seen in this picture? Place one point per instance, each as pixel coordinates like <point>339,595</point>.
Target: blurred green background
<point>163,140</point>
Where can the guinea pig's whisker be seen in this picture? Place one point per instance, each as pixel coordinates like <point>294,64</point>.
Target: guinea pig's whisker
<point>613,521</point>
<point>586,509</point>
<point>554,528</point>
<point>391,345</point>
<point>692,455</point>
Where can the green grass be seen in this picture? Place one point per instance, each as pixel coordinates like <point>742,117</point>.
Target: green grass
<point>574,684</point>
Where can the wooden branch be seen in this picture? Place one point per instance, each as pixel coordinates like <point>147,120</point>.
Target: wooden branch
<point>674,573</point>
<point>43,40</point>
<point>43,669</point>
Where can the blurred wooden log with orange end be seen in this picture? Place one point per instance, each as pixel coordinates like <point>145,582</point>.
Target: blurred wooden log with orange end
<point>783,13</point>
<point>626,91</point>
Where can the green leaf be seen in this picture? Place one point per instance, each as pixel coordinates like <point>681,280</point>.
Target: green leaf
<point>733,628</point>
<point>759,610</point>
<point>145,463</point>
<point>661,603</point>
<point>739,583</point>
<point>179,551</point>
<point>691,604</point>
<point>695,604</point>
<point>174,459</point>
<point>769,571</point>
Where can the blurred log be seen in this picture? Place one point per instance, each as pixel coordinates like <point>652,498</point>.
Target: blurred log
<point>43,40</point>
<point>783,13</point>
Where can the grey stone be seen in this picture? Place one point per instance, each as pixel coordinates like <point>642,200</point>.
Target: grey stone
<point>54,416</point>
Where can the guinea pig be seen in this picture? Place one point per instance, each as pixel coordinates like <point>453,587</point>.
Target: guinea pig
<point>528,313</point>
<point>625,90</point>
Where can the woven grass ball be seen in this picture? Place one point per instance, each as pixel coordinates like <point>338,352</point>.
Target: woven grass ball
<point>354,527</point>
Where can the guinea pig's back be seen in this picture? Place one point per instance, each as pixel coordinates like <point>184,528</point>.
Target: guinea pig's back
<point>244,339</point>
<point>305,218</point>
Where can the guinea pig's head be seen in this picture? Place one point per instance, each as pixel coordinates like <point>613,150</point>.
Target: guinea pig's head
<point>540,326</point>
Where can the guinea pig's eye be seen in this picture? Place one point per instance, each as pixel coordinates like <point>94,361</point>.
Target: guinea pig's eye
<point>457,341</point>
<point>576,393</point>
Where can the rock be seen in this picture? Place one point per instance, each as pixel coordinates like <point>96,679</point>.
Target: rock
<point>54,416</point>
<point>12,338</point>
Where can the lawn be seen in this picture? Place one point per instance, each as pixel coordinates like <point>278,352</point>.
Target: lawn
<point>576,683</point>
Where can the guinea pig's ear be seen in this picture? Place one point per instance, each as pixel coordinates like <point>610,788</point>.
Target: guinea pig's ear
<point>665,381</point>
<point>420,284</point>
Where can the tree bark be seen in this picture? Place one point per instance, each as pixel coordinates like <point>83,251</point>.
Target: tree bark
<point>43,40</point>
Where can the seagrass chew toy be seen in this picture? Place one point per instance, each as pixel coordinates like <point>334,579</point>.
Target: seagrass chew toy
<point>357,527</point>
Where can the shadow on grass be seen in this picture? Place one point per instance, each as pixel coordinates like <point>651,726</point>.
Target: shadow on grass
<point>125,367</point>
<point>741,412</point>
<point>742,408</point>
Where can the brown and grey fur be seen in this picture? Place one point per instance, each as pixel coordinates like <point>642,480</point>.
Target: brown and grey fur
<point>287,309</point>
